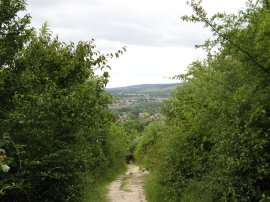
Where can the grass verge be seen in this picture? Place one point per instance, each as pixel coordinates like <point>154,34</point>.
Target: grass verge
<point>153,191</point>
<point>124,182</point>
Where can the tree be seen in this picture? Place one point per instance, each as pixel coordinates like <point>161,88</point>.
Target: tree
<point>14,33</point>
<point>57,128</point>
<point>218,150</point>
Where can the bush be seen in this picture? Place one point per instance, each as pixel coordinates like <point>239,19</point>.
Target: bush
<point>56,126</point>
<point>218,145</point>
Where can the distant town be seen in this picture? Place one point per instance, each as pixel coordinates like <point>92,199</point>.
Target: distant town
<point>143,102</point>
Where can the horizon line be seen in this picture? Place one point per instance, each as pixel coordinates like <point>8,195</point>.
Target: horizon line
<point>144,84</point>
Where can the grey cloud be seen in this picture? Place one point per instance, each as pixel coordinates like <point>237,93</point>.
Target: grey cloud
<point>103,21</point>
<point>159,44</point>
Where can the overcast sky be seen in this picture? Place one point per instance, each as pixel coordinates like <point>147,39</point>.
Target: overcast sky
<point>158,44</point>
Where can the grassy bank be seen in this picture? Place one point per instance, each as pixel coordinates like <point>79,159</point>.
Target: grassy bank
<point>153,191</point>
<point>97,191</point>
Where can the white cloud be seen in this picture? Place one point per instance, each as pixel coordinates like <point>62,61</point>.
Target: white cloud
<point>159,44</point>
<point>143,22</point>
<point>151,64</point>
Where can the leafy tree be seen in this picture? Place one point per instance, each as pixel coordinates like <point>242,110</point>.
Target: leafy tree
<point>56,127</point>
<point>218,148</point>
<point>14,33</point>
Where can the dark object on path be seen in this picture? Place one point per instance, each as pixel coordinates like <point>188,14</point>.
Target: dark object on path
<point>130,159</point>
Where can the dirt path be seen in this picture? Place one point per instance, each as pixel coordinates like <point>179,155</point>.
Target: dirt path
<point>128,187</point>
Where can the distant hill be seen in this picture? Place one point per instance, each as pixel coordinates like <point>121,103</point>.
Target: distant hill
<point>156,90</point>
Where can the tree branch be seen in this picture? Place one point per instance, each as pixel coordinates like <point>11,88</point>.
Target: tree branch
<point>215,30</point>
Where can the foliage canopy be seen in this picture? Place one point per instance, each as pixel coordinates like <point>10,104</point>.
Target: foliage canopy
<point>56,129</point>
<point>218,145</point>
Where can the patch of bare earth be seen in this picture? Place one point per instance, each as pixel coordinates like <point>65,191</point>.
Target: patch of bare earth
<point>128,187</point>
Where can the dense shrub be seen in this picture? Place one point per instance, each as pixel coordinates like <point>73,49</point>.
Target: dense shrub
<point>147,149</point>
<point>218,148</point>
<point>56,128</point>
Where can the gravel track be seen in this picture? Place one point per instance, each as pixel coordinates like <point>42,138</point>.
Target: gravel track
<point>128,187</point>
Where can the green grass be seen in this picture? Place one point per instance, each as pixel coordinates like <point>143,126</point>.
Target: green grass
<point>97,192</point>
<point>124,182</point>
<point>153,191</point>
